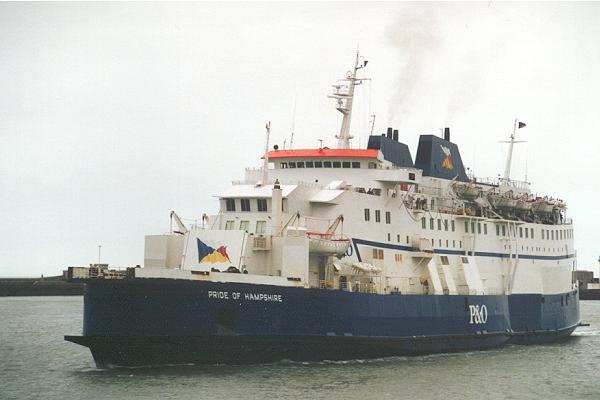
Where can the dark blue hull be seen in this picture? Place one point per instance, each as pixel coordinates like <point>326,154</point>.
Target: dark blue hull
<point>159,321</point>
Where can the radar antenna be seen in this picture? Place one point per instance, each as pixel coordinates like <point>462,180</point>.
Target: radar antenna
<point>344,94</point>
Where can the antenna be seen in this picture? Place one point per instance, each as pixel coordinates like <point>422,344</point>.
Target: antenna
<point>293,121</point>
<point>511,142</point>
<point>266,163</point>
<point>372,123</point>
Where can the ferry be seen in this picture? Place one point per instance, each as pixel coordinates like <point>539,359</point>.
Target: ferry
<point>343,253</point>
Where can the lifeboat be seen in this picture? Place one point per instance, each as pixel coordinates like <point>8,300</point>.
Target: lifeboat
<point>327,244</point>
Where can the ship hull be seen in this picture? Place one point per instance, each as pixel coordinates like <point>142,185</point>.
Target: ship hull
<point>134,322</point>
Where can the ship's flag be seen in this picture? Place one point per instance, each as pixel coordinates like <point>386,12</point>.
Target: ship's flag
<point>522,125</point>
<point>207,254</point>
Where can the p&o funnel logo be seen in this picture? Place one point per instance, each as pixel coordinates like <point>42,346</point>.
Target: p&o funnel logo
<point>447,163</point>
<point>207,254</point>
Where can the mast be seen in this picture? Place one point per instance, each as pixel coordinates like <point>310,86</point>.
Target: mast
<point>344,94</point>
<point>511,142</point>
<point>266,158</point>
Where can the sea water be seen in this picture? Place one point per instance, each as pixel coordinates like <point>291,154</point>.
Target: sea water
<point>36,363</point>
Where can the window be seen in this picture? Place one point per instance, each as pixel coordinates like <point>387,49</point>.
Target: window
<point>439,224</point>
<point>230,204</point>
<point>460,244</point>
<point>479,228</point>
<point>465,260</point>
<point>497,230</point>
<point>244,225</point>
<point>452,224</point>
<point>229,225</point>
<point>245,203</point>
<point>310,164</point>
<point>389,237</point>
<point>345,164</point>
<point>485,229</point>
<point>552,235</point>
<point>532,233</point>
<point>283,165</point>
<point>446,225</point>
<point>300,164</point>
<point>440,242</point>
<point>431,221</point>
<point>377,254</point>
<point>318,164</point>
<point>337,164</point>
<point>453,244</point>
<point>466,227</point>
<point>260,227</point>
<point>326,164</point>
<point>261,204</point>
<point>398,258</point>
<point>445,260</point>
<point>367,214</point>
<point>432,203</point>
<point>520,232</point>
<point>292,164</point>
<point>377,216</point>
<point>423,223</point>
<point>407,240</point>
<point>398,238</point>
<point>542,234</point>
<point>372,165</point>
<point>411,176</point>
<point>355,164</point>
<point>527,233</point>
<point>473,227</point>
<point>388,217</point>
<point>503,230</point>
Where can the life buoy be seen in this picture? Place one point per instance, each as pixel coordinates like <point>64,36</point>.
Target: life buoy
<point>349,251</point>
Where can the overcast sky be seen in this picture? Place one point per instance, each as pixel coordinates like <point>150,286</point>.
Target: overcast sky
<point>113,114</point>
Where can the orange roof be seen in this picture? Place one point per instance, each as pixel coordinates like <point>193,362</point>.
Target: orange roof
<point>324,153</point>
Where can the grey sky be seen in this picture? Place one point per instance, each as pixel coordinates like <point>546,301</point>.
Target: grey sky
<point>113,114</point>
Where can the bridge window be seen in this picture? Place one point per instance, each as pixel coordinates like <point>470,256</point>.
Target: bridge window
<point>261,204</point>
<point>310,164</point>
<point>337,164</point>
<point>245,204</point>
<point>355,164</point>
<point>345,164</point>
<point>292,164</point>
<point>388,217</point>
<point>230,204</point>
<point>377,216</point>
<point>318,164</point>
<point>300,164</point>
<point>283,165</point>
<point>367,214</point>
<point>229,225</point>
<point>260,227</point>
<point>326,164</point>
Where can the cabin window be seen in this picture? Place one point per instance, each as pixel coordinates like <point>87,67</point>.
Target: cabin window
<point>532,233</point>
<point>244,225</point>
<point>503,230</point>
<point>520,232</point>
<point>292,164</point>
<point>411,176</point>
<point>552,235</point>
<point>345,164</point>
<point>388,217</point>
<point>283,165</point>
<point>398,258</point>
<point>431,223</point>
<point>300,164</point>
<point>497,230</point>
<point>245,204</point>
<point>452,225</point>
<point>260,227</point>
<point>327,164</point>
<point>318,164</point>
<point>229,225</point>
<point>337,164</point>
<point>310,164</point>
<point>526,233</point>
<point>367,214</point>
<point>453,244</point>
<point>432,203</point>
<point>372,165</point>
<point>423,223</point>
<point>447,243</point>
<point>377,254</point>
<point>377,216</point>
<point>466,226</point>
<point>485,229</point>
<point>389,237</point>
<point>465,260</point>
<point>230,204</point>
<point>446,225</point>
<point>460,244</point>
<point>407,240</point>
<point>439,224</point>
<point>479,228</point>
<point>473,227</point>
<point>561,236</point>
<point>542,234</point>
<point>261,204</point>
<point>355,164</point>
<point>398,238</point>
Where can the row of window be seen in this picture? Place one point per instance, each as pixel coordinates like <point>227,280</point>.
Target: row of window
<point>261,226</point>
<point>320,164</point>
<point>388,216</point>
<point>261,204</point>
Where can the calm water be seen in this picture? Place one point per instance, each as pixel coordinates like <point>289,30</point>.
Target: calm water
<point>36,363</point>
